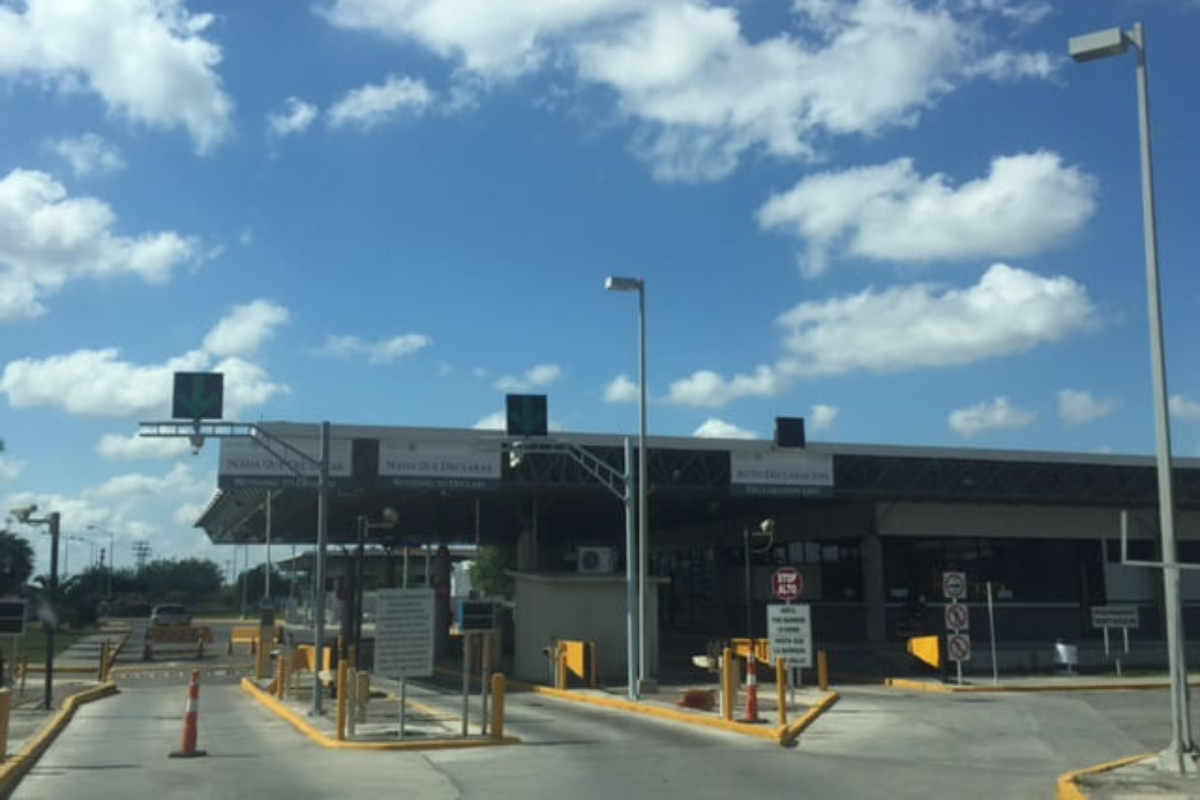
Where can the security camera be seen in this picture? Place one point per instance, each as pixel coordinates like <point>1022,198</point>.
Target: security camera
<point>197,442</point>
<point>515,455</point>
<point>24,512</point>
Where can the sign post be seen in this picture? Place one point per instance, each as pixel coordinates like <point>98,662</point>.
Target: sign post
<point>1123,617</point>
<point>404,637</point>
<point>958,620</point>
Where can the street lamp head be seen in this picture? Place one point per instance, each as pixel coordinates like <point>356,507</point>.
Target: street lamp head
<point>617,284</point>
<point>390,517</point>
<point>767,525</point>
<point>1100,44</point>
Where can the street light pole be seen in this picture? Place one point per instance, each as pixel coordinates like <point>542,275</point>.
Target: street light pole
<point>49,616</point>
<point>1181,754</point>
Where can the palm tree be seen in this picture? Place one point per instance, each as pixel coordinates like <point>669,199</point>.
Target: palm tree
<point>16,562</point>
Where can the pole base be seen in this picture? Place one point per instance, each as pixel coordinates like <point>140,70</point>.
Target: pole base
<point>1180,762</point>
<point>193,754</point>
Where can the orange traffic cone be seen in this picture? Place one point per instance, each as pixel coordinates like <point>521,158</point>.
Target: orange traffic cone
<point>191,720</point>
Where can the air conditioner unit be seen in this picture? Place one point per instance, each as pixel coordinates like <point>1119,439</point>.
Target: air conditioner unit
<point>596,560</point>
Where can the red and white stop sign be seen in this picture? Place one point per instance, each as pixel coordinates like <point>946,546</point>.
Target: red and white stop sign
<point>787,583</point>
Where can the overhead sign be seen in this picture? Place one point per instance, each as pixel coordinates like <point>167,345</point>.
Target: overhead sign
<point>1114,616</point>
<point>789,472</point>
<point>958,647</point>
<point>439,464</point>
<point>12,616</point>
<point>787,583</point>
<point>789,627</point>
<point>958,617</point>
<point>245,462</point>
<point>198,395</point>
<point>404,633</point>
<point>526,414</point>
<point>954,585</point>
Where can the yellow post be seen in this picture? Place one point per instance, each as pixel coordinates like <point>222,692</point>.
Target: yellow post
<point>781,680</point>
<point>728,693</point>
<point>561,657</point>
<point>352,657</point>
<point>822,671</point>
<point>102,673</point>
<point>498,686</point>
<point>5,708</point>
<point>341,701</point>
<point>260,659</point>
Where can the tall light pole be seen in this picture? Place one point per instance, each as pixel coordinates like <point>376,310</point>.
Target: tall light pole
<point>112,553</point>
<point>618,284</point>
<point>1181,754</point>
<point>49,618</point>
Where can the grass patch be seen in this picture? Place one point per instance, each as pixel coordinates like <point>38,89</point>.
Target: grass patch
<point>33,643</point>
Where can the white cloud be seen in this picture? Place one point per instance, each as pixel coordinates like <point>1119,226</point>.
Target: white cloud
<point>1183,409</point>
<point>702,92</point>
<point>535,377</point>
<point>996,414</point>
<point>707,389</point>
<point>621,390</point>
<point>373,104</point>
<point>88,154</point>
<point>1029,13</point>
<point>246,237</point>
<point>295,117</point>
<point>497,421</point>
<point>1026,203</point>
<point>921,325</point>
<point>383,351</point>
<point>822,417</point>
<point>10,469</point>
<point>714,428</point>
<point>1077,407</point>
<point>48,239</point>
<point>1005,65</point>
<point>146,59</point>
<point>125,448</point>
<point>243,331</point>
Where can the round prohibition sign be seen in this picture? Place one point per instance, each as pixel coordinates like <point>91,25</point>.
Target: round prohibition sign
<point>954,585</point>
<point>958,617</point>
<point>959,647</point>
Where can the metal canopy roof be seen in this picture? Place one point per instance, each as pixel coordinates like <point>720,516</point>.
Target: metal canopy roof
<point>689,480</point>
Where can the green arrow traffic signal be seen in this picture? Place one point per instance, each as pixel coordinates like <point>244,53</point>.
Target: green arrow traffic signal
<point>526,414</point>
<point>198,395</point>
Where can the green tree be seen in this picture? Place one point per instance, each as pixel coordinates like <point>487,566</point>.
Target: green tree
<point>16,562</point>
<point>187,580</point>
<point>489,571</point>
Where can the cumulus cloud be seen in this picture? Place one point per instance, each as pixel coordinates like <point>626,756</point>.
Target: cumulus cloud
<point>713,428</point>
<point>821,417</point>
<point>1008,311</point>
<point>621,390</point>
<point>374,104</point>
<point>1183,409</point>
<point>243,331</point>
<point>996,414</point>
<point>88,154</point>
<point>382,351</point>
<point>1026,203</point>
<point>1076,407</point>
<point>701,92</point>
<point>707,389</point>
<point>295,117</point>
<point>535,377</point>
<point>48,239</point>
<point>498,421</point>
<point>99,383</point>
<point>128,448</point>
<point>10,469</point>
<point>147,60</point>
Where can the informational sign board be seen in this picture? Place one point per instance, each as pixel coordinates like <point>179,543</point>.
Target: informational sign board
<point>789,627</point>
<point>525,414</point>
<point>782,472</point>
<point>954,585</point>
<point>1114,616</point>
<point>958,617</point>
<point>958,647</point>
<point>411,462</point>
<point>476,616</point>
<point>787,584</point>
<point>198,395</point>
<point>245,462</point>
<point>12,616</point>
<point>404,632</point>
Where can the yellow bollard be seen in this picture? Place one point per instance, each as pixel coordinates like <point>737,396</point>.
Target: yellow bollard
<point>5,708</point>
<point>822,671</point>
<point>728,691</point>
<point>102,673</point>
<point>498,687</point>
<point>560,676</point>
<point>781,682</point>
<point>341,701</point>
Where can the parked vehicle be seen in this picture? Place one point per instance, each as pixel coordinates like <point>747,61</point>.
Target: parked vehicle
<point>173,614</point>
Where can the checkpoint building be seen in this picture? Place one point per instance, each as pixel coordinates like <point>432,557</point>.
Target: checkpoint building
<point>870,529</point>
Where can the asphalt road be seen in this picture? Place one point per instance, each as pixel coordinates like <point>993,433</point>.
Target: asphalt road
<point>875,744</point>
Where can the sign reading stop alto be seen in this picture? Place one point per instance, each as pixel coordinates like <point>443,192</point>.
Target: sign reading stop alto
<point>787,584</point>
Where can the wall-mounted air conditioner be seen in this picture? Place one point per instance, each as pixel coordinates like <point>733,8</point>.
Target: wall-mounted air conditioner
<point>596,560</point>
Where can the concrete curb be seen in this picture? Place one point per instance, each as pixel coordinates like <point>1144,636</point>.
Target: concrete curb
<point>1069,790</point>
<point>302,725</point>
<point>780,735</point>
<point>941,688</point>
<point>15,768</point>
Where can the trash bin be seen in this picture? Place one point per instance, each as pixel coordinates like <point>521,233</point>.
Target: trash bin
<point>1066,656</point>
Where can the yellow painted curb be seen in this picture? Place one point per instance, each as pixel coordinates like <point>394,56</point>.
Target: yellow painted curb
<point>15,768</point>
<point>302,725</point>
<point>941,688</point>
<point>1069,790</point>
<point>789,733</point>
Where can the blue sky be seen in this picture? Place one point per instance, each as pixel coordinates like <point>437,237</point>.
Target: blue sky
<point>909,222</point>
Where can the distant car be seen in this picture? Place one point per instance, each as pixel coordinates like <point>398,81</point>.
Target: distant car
<point>170,615</point>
